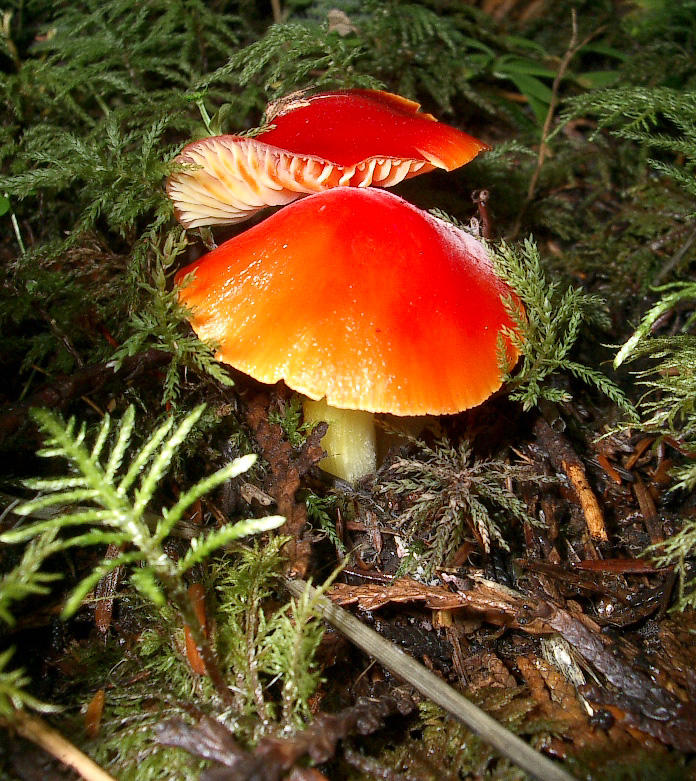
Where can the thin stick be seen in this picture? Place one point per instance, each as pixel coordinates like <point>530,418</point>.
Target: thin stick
<point>564,459</point>
<point>573,48</point>
<point>277,11</point>
<point>37,731</point>
<point>571,51</point>
<point>434,688</point>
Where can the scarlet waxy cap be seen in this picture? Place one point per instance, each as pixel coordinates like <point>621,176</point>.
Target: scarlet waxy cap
<point>351,138</point>
<point>359,297</point>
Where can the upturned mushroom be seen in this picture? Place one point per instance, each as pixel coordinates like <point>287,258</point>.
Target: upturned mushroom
<point>354,138</point>
<point>361,302</point>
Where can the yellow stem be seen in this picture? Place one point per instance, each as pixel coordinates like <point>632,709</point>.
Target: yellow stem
<point>350,442</point>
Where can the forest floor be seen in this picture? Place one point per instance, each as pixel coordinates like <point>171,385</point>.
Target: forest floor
<point>535,552</point>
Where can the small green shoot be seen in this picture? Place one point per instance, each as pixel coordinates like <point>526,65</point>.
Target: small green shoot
<point>13,693</point>
<point>289,418</point>
<point>319,509</point>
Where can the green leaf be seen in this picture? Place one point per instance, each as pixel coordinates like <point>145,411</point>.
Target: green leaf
<point>603,48</point>
<point>207,484</point>
<point>162,461</point>
<point>144,580</point>
<point>531,87</point>
<point>13,694</point>
<point>597,79</point>
<point>125,430</point>
<point>537,93</point>
<point>507,66</point>
<point>524,43</point>
<point>662,306</point>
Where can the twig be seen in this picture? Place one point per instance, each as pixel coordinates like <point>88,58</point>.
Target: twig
<point>566,460</point>
<point>277,11</point>
<point>62,336</point>
<point>648,511</point>
<point>37,731</point>
<point>434,688</point>
<point>676,259</point>
<point>480,198</point>
<point>573,48</point>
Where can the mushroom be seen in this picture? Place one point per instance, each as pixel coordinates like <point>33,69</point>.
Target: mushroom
<point>361,302</point>
<point>352,138</point>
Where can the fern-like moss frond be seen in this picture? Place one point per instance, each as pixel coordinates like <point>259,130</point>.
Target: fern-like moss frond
<point>546,332</point>
<point>115,502</point>
<point>450,492</point>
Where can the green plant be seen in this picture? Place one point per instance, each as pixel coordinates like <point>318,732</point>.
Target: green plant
<point>665,34</point>
<point>13,690</point>
<point>96,97</point>
<point>657,119</point>
<point>24,580</point>
<point>547,328</point>
<point>161,322</point>
<point>660,120</point>
<point>418,51</point>
<point>289,418</point>
<point>293,640</point>
<point>448,491</point>
<point>319,513</point>
<point>118,515</point>
<point>668,409</point>
<point>669,406</point>
<point>676,552</point>
<point>116,500</point>
<point>259,646</point>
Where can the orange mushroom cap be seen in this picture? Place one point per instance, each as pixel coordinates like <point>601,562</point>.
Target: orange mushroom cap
<point>359,297</point>
<point>352,138</point>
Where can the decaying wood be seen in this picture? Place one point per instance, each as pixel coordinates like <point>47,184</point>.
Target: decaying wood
<point>286,467</point>
<point>579,582</point>
<point>274,757</point>
<point>645,703</point>
<point>435,689</point>
<point>564,459</point>
<point>618,566</point>
<point>613,473</point>
<point>557,700</point>
<point>105,591</point>
<point>652,708</point>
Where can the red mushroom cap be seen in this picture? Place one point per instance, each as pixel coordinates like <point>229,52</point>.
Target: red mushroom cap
<point>359,297</point>
<point>347,127</point>
<point>347,138</point>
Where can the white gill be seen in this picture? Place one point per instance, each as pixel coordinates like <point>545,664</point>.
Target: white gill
<point>237,178</point>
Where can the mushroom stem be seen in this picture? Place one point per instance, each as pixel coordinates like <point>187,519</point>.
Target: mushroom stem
<point>350,442</point>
